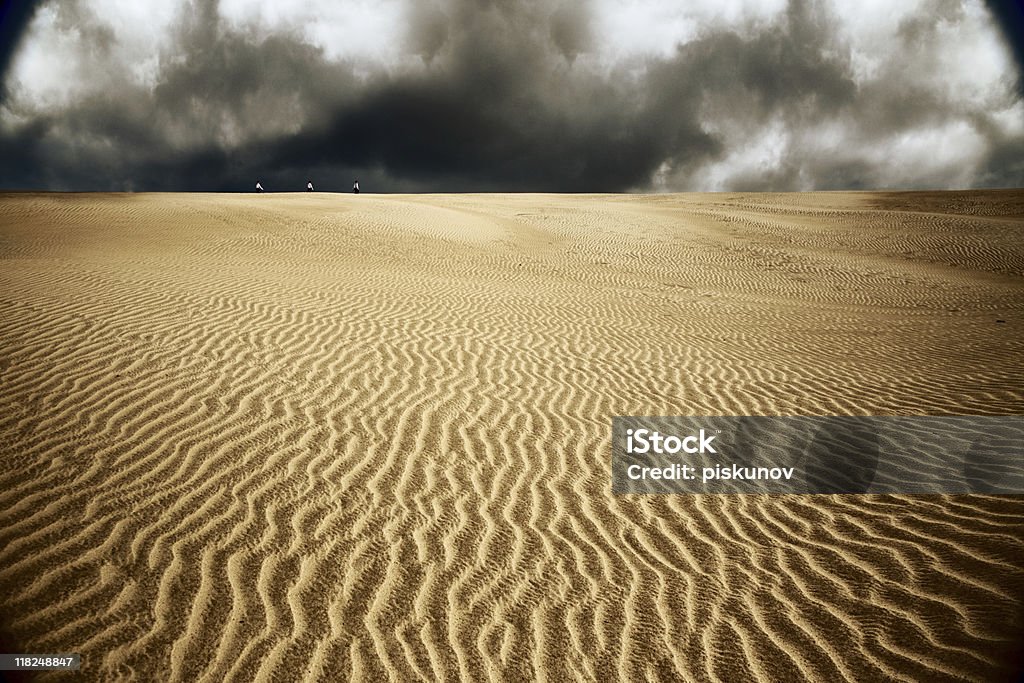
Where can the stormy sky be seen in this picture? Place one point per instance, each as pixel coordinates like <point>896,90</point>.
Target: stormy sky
<point>511,95</point>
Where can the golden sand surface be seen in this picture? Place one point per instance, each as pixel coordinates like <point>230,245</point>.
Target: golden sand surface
<point>329,437</point>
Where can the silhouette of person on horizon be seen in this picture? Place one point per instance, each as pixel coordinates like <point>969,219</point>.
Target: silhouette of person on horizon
<point>355,187</point>
<point>309,186</point>
<point>259,188</point>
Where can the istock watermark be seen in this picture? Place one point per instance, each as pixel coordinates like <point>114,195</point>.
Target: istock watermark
<point>720,454</point>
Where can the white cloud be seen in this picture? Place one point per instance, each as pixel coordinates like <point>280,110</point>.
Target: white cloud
<point>359,30</point>
<point>634,28</point>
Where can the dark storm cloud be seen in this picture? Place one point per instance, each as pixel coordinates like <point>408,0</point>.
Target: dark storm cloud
<point>1010,17</point>
<point>501,108</point>
<point>506,96</point>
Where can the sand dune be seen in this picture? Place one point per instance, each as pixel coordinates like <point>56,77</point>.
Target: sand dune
<point>326,437</point>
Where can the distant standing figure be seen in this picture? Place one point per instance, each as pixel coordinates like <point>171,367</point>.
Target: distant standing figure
<point>309,186</point>
<point>259,188</point>
<point>355,187</point>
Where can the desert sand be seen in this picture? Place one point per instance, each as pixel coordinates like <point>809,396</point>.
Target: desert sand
<point>329,437</point>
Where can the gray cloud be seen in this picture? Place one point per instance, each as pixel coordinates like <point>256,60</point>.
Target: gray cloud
<point>510,96</point>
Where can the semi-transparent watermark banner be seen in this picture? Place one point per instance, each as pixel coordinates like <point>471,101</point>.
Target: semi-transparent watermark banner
<point>717,454</point>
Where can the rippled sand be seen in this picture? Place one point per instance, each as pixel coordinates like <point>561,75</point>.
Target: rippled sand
<point>296,437</point>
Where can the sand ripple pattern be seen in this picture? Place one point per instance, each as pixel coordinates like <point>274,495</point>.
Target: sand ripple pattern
<point>324,437</point>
